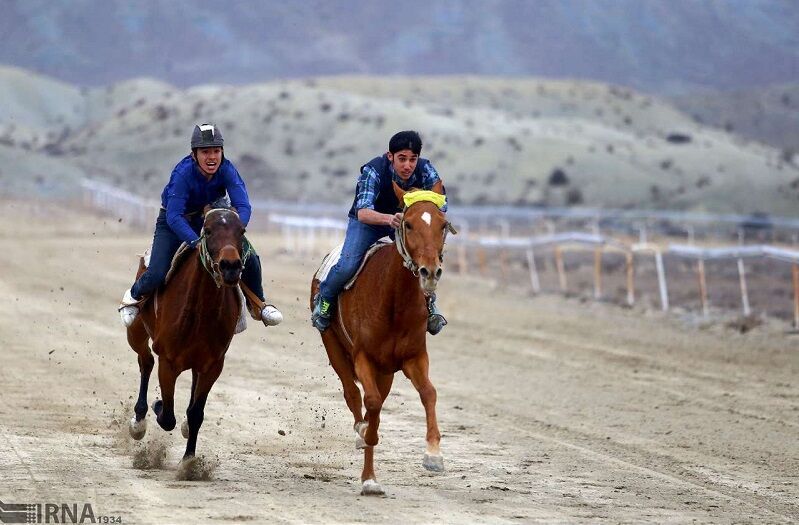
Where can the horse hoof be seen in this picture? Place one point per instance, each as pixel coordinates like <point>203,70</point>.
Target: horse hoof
<point>372,488</point>
<point>360,431</point>
<point>433,463</point>
<point>137,428</point>
<point>184,429</point>
<point>158,406</point>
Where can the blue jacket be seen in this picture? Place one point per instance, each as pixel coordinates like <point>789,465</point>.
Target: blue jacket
<point>188,192</point>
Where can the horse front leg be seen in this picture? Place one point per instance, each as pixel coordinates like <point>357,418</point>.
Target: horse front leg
<point>373,402</point>
<point>196,412</point>
<point>184,427</point>
<point>417,371</point>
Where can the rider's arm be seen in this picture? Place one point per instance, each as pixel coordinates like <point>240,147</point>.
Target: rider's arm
<point>237,192</point>
<point>178,194</point>
<point>376,218</point>
<point>368,188</point>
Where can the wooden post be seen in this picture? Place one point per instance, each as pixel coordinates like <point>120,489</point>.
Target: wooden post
<point>481,260</point>
<point>462,264</point>
<point>534,282</point>
<point>795,271</point>
<point>503,265</point>
<point>700,270</point>
<point>598,272</point>
<point>664,291</point>
<point>561,269</point>
<point>630,279</point>
<point>744,291</point>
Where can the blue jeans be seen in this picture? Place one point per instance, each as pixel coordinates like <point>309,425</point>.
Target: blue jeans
<point>165,244</point>
<point>357,241</point>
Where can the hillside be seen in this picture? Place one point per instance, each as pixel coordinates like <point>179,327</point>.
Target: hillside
<point>769,115</point>
<point>497,141</point>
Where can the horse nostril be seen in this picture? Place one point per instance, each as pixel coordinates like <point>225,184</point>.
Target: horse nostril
<point>438,273</point>
<point>424,272</point>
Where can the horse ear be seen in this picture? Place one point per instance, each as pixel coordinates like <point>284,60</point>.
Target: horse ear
<point>438,187</point>
<point>399,192</point>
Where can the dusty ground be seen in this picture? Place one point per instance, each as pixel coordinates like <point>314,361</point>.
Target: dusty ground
<point>551,410</point>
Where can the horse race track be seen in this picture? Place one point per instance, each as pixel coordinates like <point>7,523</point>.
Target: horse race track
<point>550,410</point>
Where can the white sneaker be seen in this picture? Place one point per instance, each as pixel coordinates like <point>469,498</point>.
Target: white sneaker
<point>128,309</point>
<point>271,316</point>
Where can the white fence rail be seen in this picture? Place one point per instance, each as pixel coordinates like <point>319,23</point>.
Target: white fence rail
<point>307,235</point>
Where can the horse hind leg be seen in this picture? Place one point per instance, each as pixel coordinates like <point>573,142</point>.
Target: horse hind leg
<point>346,374</point>
<point>373,401</point>
<point>138,341</point>
<point>165,410</point>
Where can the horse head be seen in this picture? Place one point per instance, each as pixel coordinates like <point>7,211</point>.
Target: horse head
<point>221,245</point>
<point>422,233</point>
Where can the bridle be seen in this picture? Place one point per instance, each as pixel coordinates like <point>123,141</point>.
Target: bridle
<point>207,261</point>
<point>399,241</point>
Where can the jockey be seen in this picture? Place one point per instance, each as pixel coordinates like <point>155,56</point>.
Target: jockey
<point>199,179</point>
<point>374,214</point>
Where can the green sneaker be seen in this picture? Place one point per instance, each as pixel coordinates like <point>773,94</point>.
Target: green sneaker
<point>320,317</point>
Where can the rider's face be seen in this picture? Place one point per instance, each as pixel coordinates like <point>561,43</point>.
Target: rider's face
<point>404,162</point>
<point>208,159</point>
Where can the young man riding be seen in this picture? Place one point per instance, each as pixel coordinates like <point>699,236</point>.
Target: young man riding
<point>200,179</point>
<point>375,214</point>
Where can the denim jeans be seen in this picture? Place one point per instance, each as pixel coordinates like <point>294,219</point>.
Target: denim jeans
<point>357,241</point>
<point>165,244</point>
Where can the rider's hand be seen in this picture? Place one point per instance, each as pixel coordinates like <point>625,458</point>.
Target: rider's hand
<point>395,220</point>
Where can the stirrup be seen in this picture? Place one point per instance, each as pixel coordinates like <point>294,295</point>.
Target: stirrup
<point>435,323</point>
<point>271,316</point>
<point>128,308</point>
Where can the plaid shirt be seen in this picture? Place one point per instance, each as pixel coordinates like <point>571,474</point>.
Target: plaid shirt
<point>369,181</point>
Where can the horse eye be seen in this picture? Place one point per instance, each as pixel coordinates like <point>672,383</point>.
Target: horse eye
<point>408,225</point>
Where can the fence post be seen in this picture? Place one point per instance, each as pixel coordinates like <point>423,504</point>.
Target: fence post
<point>700,270</point>
<point>630,278</point>
<point>744,291</point>
<point>534,282</point>
<point>561,269</point>
<point>598,272</point>
<point>664,291</point>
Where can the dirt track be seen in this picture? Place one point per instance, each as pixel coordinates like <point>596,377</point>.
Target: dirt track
<point>550,410</point>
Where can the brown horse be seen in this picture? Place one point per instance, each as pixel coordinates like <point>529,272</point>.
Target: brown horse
<point>380,328</point>
<point>191,322</point>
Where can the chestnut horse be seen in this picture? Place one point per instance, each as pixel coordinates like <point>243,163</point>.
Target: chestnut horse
<point>379,328</point>
<point>191,322</point>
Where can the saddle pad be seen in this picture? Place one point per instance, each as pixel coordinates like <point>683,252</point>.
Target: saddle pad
<point>332,258</point>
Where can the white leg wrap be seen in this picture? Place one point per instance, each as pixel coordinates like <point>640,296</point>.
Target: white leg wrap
<point>137,428</point>
<point>372,488</point>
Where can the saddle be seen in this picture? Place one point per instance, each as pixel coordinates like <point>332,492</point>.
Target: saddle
<point>332,258</point>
